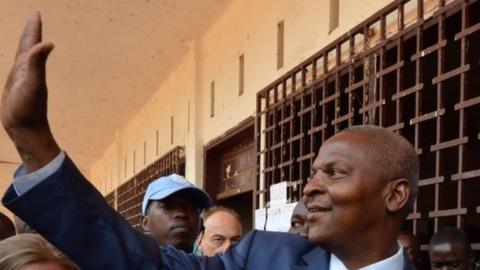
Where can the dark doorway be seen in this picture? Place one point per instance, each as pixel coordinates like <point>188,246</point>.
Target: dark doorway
<point>243,204</point>
<point>230,167</point>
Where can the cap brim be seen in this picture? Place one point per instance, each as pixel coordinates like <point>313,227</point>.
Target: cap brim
<point>198,196</point>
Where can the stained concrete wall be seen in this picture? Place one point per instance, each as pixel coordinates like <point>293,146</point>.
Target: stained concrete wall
<point>247,27</point>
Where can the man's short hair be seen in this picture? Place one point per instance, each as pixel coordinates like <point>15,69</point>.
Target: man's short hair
<point>395,155</point>
<point>451,235</point>
<point>218,208</point>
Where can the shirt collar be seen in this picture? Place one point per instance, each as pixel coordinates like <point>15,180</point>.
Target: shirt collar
<point>395,262</point>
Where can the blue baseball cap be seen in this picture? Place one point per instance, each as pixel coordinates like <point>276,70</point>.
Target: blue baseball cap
<point>166,186</point>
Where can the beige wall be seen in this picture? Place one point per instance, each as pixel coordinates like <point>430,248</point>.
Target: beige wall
<point>171,99</point>
<point>248,27</point>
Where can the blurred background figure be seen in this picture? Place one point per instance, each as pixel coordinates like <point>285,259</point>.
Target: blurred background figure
<point>411,247</point>
<point>222,228</point>
<point>21,226</point>
<point>32,252</point>
<point>298,222</point>
<point>450,250</point>
<point>7,228</point>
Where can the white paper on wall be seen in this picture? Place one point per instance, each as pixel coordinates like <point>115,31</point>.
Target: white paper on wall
<point>278,217</point>
<point>278,194</point>
<point>260,219</point>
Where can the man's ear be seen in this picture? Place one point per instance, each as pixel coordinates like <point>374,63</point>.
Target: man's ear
<point>145,224</point>
<point>397,195</point>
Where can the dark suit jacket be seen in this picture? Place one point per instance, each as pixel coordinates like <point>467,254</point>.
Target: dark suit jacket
<point>69,212</point>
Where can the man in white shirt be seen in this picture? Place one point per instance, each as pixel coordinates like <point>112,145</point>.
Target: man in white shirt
<point>363,184</point>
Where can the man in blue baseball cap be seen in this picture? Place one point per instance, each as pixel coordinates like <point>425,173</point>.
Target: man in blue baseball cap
<point>171,211</point>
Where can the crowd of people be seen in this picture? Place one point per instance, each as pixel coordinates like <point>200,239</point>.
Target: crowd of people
<point>350,217</point>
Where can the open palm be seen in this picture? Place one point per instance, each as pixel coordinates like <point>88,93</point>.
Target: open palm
<point>24,101</point>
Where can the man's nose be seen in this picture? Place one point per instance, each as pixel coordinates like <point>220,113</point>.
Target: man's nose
<point>314,186</point>
<point>180,212</point>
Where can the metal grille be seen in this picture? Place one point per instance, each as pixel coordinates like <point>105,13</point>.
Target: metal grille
<point>130,194</point>
<point>413,67</point>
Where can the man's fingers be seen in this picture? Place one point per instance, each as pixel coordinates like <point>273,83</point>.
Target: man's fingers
<point>32,33</point>
<point>38,55</point>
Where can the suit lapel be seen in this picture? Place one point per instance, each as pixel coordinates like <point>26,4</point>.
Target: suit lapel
<point>316,259</point>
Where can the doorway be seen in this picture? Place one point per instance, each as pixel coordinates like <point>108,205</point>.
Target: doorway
<point>230,170</point>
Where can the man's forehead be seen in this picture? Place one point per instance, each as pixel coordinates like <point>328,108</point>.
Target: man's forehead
<point>341,146</point>
<point>223,230</point>
<point>442,247</point>
<point>454,247</point>
<point>221,217</point>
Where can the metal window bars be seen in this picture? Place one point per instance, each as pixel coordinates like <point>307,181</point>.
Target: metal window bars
<point>413,67</point>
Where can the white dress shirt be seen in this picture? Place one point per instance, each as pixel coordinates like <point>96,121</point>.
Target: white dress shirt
<point>23,182</point>
<point>395,262</point>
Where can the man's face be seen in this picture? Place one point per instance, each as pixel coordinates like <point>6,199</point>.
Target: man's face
<point>298,222</point>
<point>344,196</point>
<point>449,256</point>
<point>221,230</point>
<point>173,221</point>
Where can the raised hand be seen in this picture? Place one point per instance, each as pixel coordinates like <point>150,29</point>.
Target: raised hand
<point>24,101</point>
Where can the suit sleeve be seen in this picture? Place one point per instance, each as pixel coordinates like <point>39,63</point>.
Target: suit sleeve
<point>69,212</point>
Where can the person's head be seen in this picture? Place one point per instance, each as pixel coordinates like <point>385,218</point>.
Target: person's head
<point>363,185</point>
<point>298,222</point>
<point>171,211</point>
<point>411,246</point>
<point>7,228</point>
<point>32,252</point>
<point>222,227</point>
<point>21,226</point>
<point>450,250</point>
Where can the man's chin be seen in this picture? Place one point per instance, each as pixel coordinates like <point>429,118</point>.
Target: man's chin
<point>318,238</point>
<point>184,245</point>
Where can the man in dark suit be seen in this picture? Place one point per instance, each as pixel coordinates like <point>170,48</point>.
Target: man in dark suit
<point>363,183</point>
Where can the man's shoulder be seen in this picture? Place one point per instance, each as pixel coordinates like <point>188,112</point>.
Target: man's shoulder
<point>279,243</point>
<point>280,248</point>
<point>283,237</point>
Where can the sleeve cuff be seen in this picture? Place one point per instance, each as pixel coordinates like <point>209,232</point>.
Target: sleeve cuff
<point>23,182</point>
